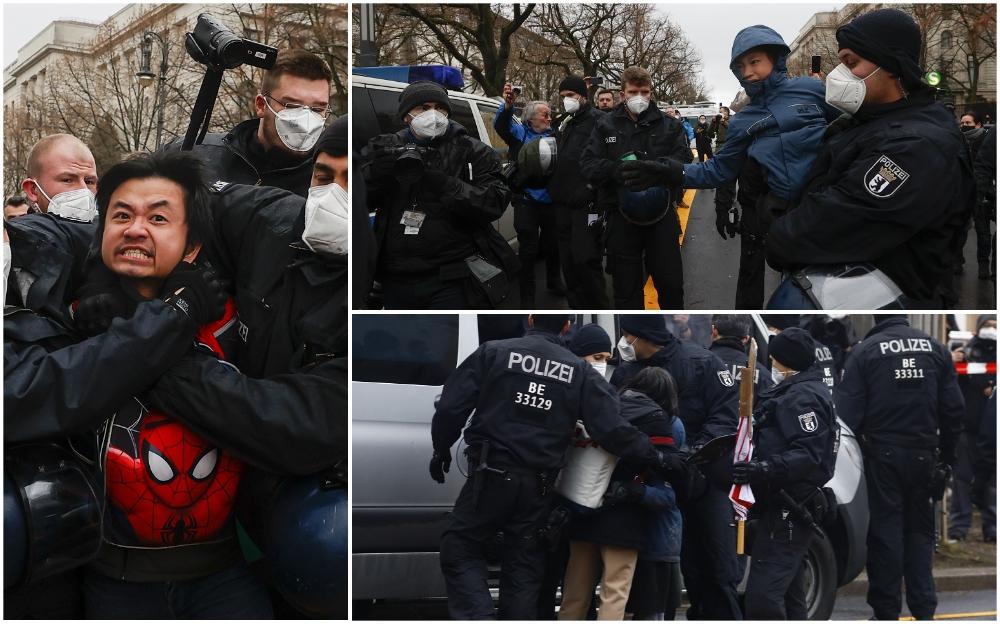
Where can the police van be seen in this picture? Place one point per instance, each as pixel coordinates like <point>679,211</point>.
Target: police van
<point>399,366</point>
<point>375,102</point>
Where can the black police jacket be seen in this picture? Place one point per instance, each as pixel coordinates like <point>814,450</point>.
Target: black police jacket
<point>892,186</point>
<point>709,400</point>
<point>615,134</point>
<point>473,196</point>
<point>239,158</point>
<point>626,524</point>
<point>733,354</point>
<point>795,430</point>
<point>974,386</point>
<point>57,384</point>
<point>565,186</point>
<point>528,393</point>
<point>291,386</point>
<point>900,388</point>
<point>47,260</point>
<point>985,169</point>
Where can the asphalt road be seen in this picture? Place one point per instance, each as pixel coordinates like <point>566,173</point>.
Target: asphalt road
<point>964,605</point>
<point>711,266</point>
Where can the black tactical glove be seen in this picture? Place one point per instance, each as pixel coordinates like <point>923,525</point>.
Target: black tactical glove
<point>751,472</point>
<point>624,492</point>
<point>639,175</point>
<point>939,480</point>
<point>727,222</point>
<point>100,299</point>
<point>196,291</point>
<point>440,463</point>
<point>618,172</point>
<point>383,163</point>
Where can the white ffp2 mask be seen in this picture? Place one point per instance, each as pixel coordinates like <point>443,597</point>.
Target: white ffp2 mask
<point>76,205</point>
<point>429,124</point>
<point>327,220</point>
<point>844,90</point>
<point>637,104</point>
<point>299,128</point>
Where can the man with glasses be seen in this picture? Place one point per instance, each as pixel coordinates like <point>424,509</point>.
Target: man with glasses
<point>275,148</point>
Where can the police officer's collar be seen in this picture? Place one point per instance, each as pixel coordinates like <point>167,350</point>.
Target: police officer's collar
<point>731,342</point>
<point>546,334</point>
<point>869,112</point>
<point>892,321</point>
<point>813,373</point>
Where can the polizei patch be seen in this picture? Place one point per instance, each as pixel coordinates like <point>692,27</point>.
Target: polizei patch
<point>885,177</point>
<point>808,422</point>
<point>726,378</point>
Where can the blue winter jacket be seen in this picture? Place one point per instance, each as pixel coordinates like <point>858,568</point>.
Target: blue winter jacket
<point>688,129</point>
<point>663,537</point>
<point>521,133</point>
<point>782,127</point>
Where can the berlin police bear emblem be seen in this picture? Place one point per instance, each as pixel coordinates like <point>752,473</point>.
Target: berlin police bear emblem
<point>726,378</point>
<point>808,422</point>
<point>885,177</point>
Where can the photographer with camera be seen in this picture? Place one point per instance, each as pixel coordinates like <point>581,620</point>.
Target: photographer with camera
<point>274,148</point>
<point>435,191</point>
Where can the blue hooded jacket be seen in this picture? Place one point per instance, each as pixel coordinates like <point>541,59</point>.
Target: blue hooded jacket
<point>782,127</point>
<point>523,133</point>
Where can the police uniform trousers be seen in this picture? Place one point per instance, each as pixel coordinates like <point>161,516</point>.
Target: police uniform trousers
<point>535,224</point>
<point>635,250</point>
<point>750,281</point>
<point>776,586</point>
<point>517,505</point>
<point>582,259</point>
<point>960,516</point>
<point>900,530</point>
<point>423,291</point>
<point>708,557</point>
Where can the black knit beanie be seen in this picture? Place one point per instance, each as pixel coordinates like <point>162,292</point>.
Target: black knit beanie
<point>418,93</point>
<point>651,327</point>
<point>590,339</point>
<point>574,84</point>
<point>794,348</point>
<point>333,141</point>
<point>890,39</point>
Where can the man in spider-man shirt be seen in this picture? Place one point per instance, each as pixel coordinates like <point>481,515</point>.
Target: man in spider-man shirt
<point>170,541</point>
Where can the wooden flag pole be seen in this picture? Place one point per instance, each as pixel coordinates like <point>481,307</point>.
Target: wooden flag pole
<point>746,415</point>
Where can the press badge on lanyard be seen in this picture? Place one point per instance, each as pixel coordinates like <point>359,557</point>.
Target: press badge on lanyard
<point>412,220</point>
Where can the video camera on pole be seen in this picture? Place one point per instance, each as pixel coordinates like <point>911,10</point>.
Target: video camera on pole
<point>218,48</point>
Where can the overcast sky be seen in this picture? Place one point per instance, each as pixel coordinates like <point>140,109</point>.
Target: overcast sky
<point>21,22</point>
<point>712,28</point>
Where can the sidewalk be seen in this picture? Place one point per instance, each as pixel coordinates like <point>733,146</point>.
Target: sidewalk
<point>945,579</point>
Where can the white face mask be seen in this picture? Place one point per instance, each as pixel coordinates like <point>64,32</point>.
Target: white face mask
<point>846,91</point>
<point>571,105</point>
<point>777,376</point>
<point>637,104</point>
<point>299,128</point>
<point>988,333</point>
<point>6,272</point>
<point>327,220</point>
<point>600,367</point>
<point>76,205</point>
<point>626,349</point>
<point>429,124</point>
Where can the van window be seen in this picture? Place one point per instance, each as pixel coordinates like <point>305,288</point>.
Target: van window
<point>501,326</point>
<point>461,113</point>
<point>404,349</point>
<point>487,112</point>
<point>386,105</point>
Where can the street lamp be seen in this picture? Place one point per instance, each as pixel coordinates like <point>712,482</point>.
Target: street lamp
<point>146,77</point>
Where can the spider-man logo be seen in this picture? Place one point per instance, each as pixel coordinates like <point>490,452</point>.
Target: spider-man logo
<point>180,489</point>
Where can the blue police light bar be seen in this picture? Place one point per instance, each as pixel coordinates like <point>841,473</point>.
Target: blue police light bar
<point>448,77</point>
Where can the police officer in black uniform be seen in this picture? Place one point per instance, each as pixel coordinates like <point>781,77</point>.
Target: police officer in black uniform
<point>528,394</point>
<point>434,203</point>
<point>730,337</point>
<point>794,437</point>
<point>709,409</point>
<point>275,147</point>
<point>900,394</point>
<point>638,244</point>
<point>824,356</point>
<point>578,231</point>
<point>893,183</point>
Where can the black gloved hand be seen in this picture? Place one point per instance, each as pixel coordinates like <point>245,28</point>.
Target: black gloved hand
<point>196,291</point>
<point>618,172</point>
<point>639,175</point>
<point>383,163</point>
<point>751,472</point>
<point>624,492</point>
<point>672,465</point>
<point>100,299</point>
<point>727,222</point>
<point>440,463</point>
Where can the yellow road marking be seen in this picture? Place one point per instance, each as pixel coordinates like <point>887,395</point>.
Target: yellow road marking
<point>955,616</point>
<point>649,292</point>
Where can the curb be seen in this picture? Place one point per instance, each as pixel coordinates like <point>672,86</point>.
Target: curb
<point>945,579</point>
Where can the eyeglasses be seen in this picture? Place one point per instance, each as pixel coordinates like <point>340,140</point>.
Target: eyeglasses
<point>322,111</point>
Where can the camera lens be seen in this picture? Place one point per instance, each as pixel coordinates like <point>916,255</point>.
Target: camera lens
<point>229,50</point>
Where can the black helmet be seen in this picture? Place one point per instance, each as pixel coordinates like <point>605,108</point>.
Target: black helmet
<point>536,161</point>
<point>51,502</point>
<point>644,207</point>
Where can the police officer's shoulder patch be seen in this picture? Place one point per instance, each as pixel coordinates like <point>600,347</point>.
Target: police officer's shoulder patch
<point>808,422</point>
<point>885,177</point>
<point>726,378</point>
<point>220,186</point>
